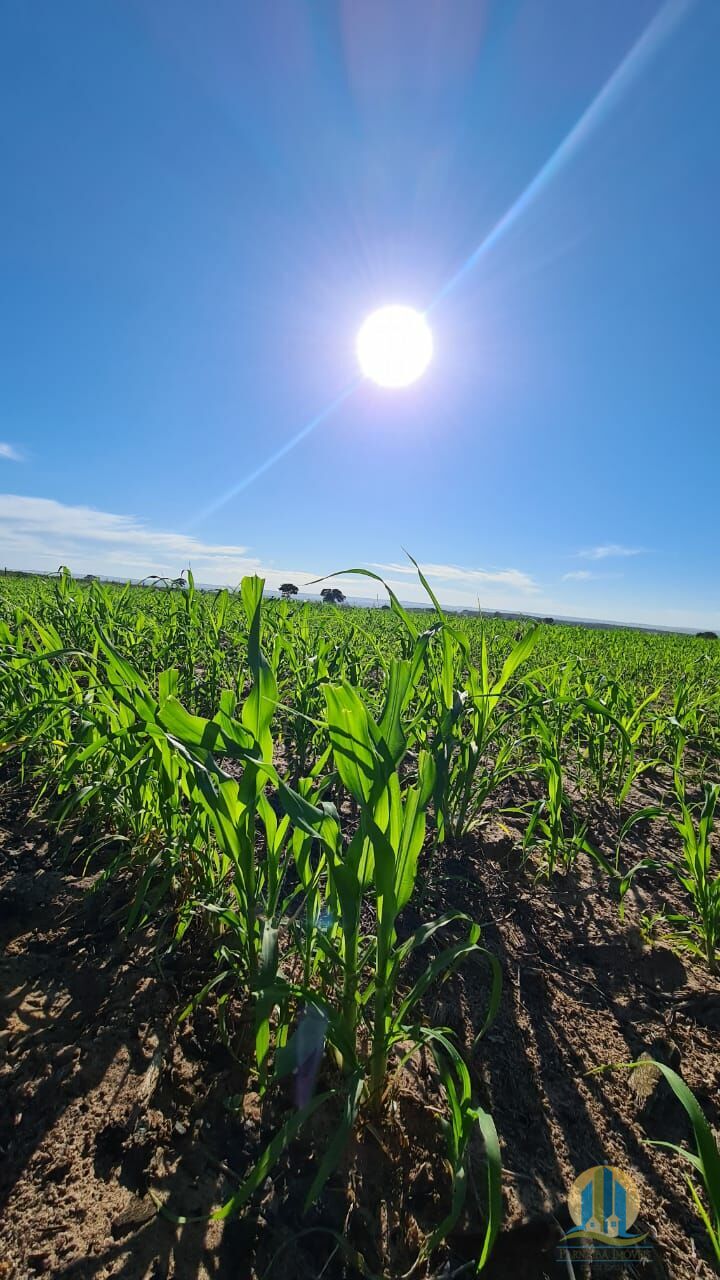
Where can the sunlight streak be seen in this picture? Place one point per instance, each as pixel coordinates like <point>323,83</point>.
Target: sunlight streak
<point>284,449</point>
<point>634,62</point>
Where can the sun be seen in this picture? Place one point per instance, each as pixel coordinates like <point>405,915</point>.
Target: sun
<point>394,346</point>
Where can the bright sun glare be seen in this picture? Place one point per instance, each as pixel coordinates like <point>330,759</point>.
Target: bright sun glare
<point>394,346</point>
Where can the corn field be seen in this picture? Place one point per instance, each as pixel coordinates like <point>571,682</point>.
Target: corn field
<point>279,785</point>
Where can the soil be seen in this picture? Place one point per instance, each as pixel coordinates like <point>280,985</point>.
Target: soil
<point>110,1107</point>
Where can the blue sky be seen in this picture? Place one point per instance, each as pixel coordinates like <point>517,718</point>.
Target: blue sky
<point>202,203</point>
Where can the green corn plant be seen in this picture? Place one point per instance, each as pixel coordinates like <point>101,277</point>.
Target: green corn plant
<point>382,858</point>
<point>549,720</point>
<point>705,1160</point>
<point>485,756</point>
<point>196,739</point>
<point>460,721</point>
<point>558,716</point>
<point>696,873</point>
<point>304,662</point>
<point>237,809</point>
<point>609,736</point>
<point>456,716</point>
<point>698,933</point>
<point>460,1126</point>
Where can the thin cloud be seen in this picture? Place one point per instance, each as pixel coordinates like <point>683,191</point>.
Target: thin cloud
<point>40,534</point>
<point>588,575</point>
<point>83,523</point>
<point>514,579</point>
<point>9,453</point>
<point>609,550</point>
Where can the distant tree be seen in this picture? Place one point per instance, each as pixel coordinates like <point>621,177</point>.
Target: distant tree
<point>287,590</point>
<point>707,635</point>
<point>549,622</point>
<point>332,595</point>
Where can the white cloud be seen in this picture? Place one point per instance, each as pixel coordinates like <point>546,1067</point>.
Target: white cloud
<point>9,453</point>
<point>587,575</point>
<point>41,534</point>
<point>608,550</point>
<point>514,579</point>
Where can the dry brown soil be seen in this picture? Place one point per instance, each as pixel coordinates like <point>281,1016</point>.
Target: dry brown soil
<point>104,1099</point>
